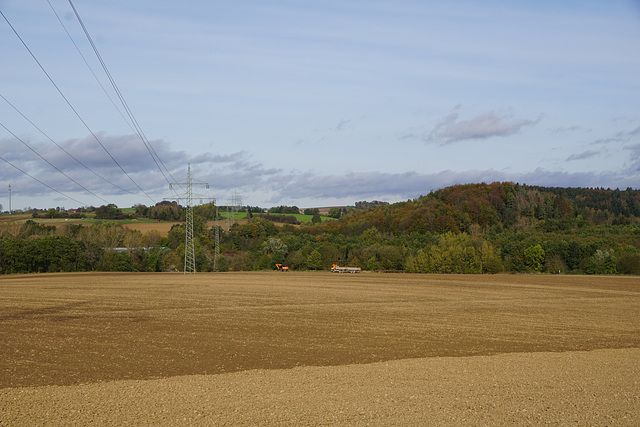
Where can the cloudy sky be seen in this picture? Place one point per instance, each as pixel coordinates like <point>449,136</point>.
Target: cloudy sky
<point>314,103</point>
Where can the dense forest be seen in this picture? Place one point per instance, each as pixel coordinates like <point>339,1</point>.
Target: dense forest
<point>474,228</point>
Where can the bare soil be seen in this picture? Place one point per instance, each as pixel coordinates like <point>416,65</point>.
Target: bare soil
<point>144,227</point>
<point>319,348</point>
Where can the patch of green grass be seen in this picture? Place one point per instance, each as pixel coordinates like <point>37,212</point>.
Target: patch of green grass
<point>91,220</point>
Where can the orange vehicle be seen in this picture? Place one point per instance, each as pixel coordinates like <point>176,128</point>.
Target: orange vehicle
<point>280,267</point>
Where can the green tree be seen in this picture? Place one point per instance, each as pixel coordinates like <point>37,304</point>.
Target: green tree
<point>410,265</point>
<point>314,260</point>
<point>629,263</point>
<point>109,211</point>
<point>32,228</point>
<point>203,262</point>
<point>141,210</point>
<point>206,211</point>
<point>390,257</point>
<point>603,261</point>
<point>455,253</point>
<point>154,260</point>
<point>534,257</point>
<point>373,264</point>
<point>555,264</point>
<point>166,211</point>
<point>222,265</point>
<point>371,235</point>
<point>489,259</point>
<point>330,255</point>
<point>276,248</point>
<point>335,213</point>
<point>117,261</point>
<point>295,260</point>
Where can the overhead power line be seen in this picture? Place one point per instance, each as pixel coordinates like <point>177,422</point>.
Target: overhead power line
<point>61,147</point>
<point>132,122</point>
<point>154,155</point>
<point>95,137</point>
<point>89,67</point>
<point>51,164</point>
<point>43,183</point>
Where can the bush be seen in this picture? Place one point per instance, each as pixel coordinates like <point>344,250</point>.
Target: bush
<point>222,265</point>
<point>629,263</point>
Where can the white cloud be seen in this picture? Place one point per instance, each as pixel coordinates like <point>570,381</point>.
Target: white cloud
<point>564,129</point>
<point>634,156</point>
<point>582,156</point>
<point>487,125</point>
<point>262,185</point>
<point>344,124</point>
<point>619,137</point>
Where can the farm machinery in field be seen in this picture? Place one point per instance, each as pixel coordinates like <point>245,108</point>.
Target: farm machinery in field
<point>281,267</point>
<point>335,268</point>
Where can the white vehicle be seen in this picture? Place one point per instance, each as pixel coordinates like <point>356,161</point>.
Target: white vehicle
<point>337,269</point>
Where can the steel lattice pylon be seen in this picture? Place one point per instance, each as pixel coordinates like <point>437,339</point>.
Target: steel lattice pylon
<point>217,242</point>
<point>189,245</point>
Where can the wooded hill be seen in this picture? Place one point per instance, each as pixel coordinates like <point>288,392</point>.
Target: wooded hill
<point>474,228</point>
<point>497,207</point>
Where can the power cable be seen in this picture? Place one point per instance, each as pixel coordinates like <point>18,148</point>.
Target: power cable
<point>154,155</point>
<point>51,164</point>
<point>61,147</point>
<point>75,111</point>
<point>89,67</point>
<point>137,131</point>
<point>43,183</point>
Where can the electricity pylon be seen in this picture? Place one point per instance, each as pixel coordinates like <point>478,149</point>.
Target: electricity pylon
<point>189,246</point>
<point>236,203</point>
<point>217,242</point>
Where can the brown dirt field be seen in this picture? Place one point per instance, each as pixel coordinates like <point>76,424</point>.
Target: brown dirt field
<point>144,227</point>
<point>319,348</point>
<point>161,227</point>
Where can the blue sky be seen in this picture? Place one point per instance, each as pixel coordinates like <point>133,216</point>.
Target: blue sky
<point>318,103</point>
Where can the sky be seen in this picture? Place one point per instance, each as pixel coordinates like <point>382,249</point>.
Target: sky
<point>313,104</point>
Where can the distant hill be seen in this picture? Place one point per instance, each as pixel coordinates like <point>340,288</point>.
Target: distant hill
<point>500,206</point>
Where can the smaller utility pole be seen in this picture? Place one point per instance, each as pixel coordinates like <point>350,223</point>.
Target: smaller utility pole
<point>9,199</point>
<point>236,202</point>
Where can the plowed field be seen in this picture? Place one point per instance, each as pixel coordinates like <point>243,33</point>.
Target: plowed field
<point>319,348</point>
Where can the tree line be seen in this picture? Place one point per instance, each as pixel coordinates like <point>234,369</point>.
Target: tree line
<point>475,228</point>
